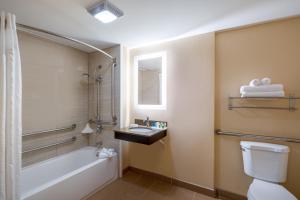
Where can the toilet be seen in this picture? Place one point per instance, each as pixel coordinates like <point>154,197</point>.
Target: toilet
<point>267,164</point>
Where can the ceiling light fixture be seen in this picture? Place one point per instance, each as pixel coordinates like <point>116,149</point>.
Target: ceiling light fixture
<point>105,11</point>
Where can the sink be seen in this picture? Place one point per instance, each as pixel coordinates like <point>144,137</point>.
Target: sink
<point>142,134</point>
<point>141,129</point>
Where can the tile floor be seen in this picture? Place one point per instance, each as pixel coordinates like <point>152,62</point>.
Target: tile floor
<point>135,186</point>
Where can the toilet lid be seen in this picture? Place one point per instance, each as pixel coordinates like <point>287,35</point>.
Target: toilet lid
<point>261,190</point>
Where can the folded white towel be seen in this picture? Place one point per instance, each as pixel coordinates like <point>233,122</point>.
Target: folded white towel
<point>255,82</point>
<point>263,94</point>
<point>266,81</point>
<point>262,88</point>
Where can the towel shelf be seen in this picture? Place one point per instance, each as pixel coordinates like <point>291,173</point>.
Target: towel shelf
<point>291,100</point>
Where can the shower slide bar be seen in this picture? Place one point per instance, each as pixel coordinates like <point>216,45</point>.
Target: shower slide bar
<point>67,141</point>
<point>32,30</point>
<point>70,128</point>
<point>254,136</point>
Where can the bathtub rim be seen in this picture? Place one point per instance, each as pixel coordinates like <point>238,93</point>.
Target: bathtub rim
<point>43,162</point>
<point>67,175</point>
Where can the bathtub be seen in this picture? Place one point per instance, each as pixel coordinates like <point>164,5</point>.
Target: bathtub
<point>71,176</point>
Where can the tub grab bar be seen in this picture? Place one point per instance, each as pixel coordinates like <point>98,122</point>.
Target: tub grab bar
<point>73,139</point>
<point>261,137</point>
<point>70,128</point>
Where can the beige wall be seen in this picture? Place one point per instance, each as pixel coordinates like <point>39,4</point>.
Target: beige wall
<point>53,96</point>
<point>267,50</point>
<point>189,150</point>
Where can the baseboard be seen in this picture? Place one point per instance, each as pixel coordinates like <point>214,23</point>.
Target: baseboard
<point>125,170</point>
<point>223,194</point>
<point>174,181</point>
<point>195,188</point>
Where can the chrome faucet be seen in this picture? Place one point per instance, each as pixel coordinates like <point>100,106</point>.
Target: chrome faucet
<point>99,126</point>
<point>147,122</point>
<point>98,146</point>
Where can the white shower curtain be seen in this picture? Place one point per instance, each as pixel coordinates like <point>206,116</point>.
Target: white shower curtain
<point>10,110</point>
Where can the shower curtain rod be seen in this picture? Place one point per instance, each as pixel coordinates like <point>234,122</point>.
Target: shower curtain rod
<point>25,28</point>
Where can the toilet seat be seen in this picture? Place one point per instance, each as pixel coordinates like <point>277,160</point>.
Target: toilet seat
<point>262,190</point>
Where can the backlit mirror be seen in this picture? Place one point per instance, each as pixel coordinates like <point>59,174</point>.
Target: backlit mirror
<point>150,80</point>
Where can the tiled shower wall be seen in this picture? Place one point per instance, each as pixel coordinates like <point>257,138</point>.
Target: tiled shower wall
<point>54,95</point>
<point>96,59</point>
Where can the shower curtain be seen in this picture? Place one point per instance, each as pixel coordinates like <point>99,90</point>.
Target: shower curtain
<point>10,110</point>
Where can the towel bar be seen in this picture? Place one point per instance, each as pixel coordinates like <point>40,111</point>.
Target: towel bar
<point>261,137</point>
<point>290,107</point>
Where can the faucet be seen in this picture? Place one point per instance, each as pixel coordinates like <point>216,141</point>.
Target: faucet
<point>147,121</point>
<point>99,126</point>
<point>98,146</point>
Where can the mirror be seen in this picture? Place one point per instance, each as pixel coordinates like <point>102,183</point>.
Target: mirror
<point>150,71</point>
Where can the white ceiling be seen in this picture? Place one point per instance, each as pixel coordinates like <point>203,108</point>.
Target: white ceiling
<point>146,21</point>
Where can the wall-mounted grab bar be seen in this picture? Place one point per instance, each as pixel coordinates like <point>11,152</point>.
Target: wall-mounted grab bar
<point>70,128</point>
<point>113,94</point>
<point>254,136</point>
<point>73,139</point>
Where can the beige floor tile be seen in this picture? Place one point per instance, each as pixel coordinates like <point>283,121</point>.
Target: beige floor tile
<point>159,190</point>
<point>134,186</point>
<point>199,196</point>
<point>179,193</point>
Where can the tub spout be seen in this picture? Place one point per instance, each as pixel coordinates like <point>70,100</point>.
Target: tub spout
<point>98,146</point>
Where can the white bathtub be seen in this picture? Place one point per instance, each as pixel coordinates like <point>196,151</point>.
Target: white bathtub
<point>68,177</point>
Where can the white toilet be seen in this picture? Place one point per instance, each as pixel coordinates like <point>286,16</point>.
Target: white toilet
<point>267,164</point>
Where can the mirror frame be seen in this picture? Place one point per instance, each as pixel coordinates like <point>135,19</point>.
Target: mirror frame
<point>162,55</point>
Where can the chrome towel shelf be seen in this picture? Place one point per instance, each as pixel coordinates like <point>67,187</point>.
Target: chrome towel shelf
<point>73,139</point>
<point>254,136</point>
<point>290,107</point>
<point>70,128</point>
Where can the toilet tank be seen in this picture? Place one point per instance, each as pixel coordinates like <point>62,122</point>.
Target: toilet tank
<point>265,161</point>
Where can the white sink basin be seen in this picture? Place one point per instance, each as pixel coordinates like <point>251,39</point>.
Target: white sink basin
<point>141,130</point>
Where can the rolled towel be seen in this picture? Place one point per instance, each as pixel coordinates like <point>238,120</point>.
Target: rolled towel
<point>103,155</point>
<point>263,94</point>
<point>255,82</point>
<point>106,153</point>
<point>262,88</point>
<point>266,81</point>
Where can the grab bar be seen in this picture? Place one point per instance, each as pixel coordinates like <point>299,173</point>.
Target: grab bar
<point>262,137</point>
<point>73,139</point>
<point>103,123</point>
<point>70,128</point>
<point>113,95</point>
